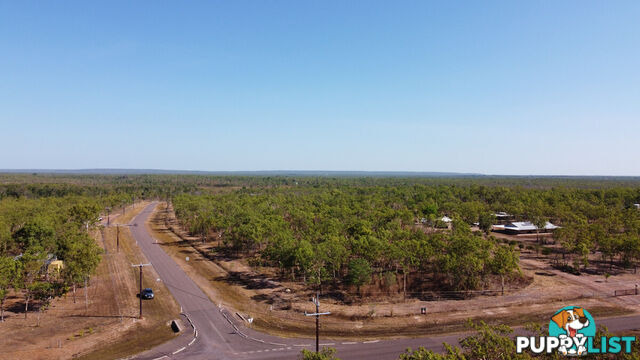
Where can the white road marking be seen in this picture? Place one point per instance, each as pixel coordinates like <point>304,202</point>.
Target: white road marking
<point>349,343</point>
<point>191,342</point>
<point>327,344</point>
<point>370,342</point>
<point>177,351</point>
<point>161,357</point>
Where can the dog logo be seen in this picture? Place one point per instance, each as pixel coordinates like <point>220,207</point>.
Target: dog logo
<point>576,324</point>
<point>572,332</point>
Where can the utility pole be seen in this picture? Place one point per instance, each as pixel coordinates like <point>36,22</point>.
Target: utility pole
<point>316,301</point>
<point>118,234</point>
<point>140,294</point>
<point>108,213</point>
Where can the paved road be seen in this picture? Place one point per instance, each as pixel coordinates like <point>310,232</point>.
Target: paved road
<point>221,336</point>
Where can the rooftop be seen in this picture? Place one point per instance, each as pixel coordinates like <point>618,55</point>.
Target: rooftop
<point>528,225</point>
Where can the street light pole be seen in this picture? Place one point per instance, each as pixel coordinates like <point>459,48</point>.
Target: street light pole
<point>316,301</point>
<point>140,294</point>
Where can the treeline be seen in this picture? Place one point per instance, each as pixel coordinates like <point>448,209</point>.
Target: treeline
<point>158,184</point>
<point>36,232</point>
<point>140,187</point>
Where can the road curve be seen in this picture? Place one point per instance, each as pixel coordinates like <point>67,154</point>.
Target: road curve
<point>221,336</point>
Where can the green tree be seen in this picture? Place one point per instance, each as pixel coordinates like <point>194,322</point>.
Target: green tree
<point>359,272</point>
<point>9,277</point>
<point>490,342</point>
<point>326,353</point>
<point>504,262</point>
<point>486,221</point>
<point>452,353</point>
<point>42,291</point>
<point>81,261</point>
<point>539,222</point>
<point>85,213</point>
<point>37,232</point>
<point>32,262</point>
<point>334,253</point>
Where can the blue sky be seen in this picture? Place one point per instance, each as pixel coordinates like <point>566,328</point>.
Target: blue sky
<point>494,87</point>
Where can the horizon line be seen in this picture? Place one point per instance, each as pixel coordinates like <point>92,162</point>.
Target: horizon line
<point>143,171</point>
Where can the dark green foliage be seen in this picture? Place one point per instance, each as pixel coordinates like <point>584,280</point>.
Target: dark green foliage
<point>9,278</point>
<point>324,354</point>
<point>359,272</point>
<point>485,221</point>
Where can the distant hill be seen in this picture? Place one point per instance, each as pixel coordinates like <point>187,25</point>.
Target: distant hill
<point>244,173</point>
<point>289,173</point>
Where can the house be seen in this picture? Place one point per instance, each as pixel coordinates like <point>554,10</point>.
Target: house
<point>524,227</point>
<point>500,215</point>
<point>637,206</point>
<point>503,217</point>
<point>445,219</point>
<point>55,267</point>
<point>52,265</point>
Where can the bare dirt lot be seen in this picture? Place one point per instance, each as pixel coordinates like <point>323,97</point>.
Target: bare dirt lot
<point>105,328</point>
<point>278,307</point>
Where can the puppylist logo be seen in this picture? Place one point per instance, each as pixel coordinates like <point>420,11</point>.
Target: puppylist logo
<point>572,331</point>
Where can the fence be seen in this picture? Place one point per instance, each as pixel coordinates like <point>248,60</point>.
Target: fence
<point>625,292</point>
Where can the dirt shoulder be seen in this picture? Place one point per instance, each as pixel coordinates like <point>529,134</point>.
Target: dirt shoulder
<point>278,308</point>
<point>107,326</point>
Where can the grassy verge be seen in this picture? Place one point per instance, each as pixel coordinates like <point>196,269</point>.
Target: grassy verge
<point>419,329</point>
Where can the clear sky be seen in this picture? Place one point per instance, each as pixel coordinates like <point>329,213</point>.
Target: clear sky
<point>507,87</point>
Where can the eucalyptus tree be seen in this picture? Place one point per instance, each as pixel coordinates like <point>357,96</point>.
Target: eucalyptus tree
<point>81,261</point>
<point>359,273</point>
<point>31,267</point>
<point>9,278</point>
